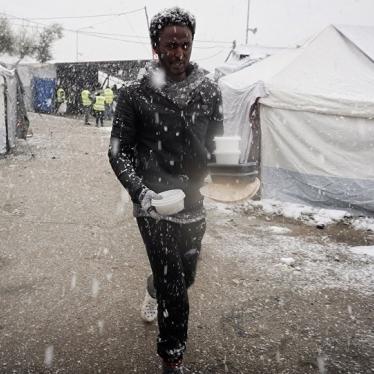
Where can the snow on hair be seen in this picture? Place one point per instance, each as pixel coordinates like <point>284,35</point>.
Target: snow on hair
<point>170,17</point>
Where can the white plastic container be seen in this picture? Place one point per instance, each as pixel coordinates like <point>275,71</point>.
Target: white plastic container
<point>172,202</point>
<point>227,143</point>
<point>227,158</point>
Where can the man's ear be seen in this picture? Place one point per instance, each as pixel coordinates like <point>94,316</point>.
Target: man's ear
<point>156,53</point>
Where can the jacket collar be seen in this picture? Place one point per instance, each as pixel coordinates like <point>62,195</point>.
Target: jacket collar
<point>179,93</point>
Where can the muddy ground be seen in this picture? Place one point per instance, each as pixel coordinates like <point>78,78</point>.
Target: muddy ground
<point>73,269</point>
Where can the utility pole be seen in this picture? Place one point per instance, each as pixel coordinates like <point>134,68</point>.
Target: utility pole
<point>246,29</point>
<point>76,46</point>
<point>147,18</point>
<point>254,30</point>
<point>77,41</point>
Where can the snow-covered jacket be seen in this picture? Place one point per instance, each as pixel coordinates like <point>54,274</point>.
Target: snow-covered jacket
<point>162,135</point>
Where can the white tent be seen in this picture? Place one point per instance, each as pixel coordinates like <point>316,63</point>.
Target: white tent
<point>8,109</point>
<point>316,112</point>
<point>241,57</point>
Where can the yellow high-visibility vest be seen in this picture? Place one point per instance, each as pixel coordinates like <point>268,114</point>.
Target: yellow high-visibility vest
<point>85,95</point>
<point>108,93</point>
<point>99,105</point>
<point>60,95</point>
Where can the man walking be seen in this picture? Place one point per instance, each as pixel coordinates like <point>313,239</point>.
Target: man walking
<point>162,139</point>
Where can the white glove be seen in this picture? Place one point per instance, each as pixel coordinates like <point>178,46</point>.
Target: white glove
<point>145,199</point>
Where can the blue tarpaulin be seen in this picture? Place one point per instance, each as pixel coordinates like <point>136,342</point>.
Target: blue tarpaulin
<point>43,94</point>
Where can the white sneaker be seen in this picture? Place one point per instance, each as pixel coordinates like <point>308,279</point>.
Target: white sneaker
<point>148,311</point>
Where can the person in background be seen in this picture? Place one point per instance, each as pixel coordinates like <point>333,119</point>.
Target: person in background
<point>162,138</point>
<point>115,91</point>
<point>108,93</point>
<point>61,101</point>
<point>86,104</point>
<point>115,97</point>
<point>99,108</point>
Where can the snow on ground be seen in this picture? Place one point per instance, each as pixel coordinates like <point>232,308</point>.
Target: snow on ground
<point>308,214</point>
<point>106,129</point>
<point>277,230</point>
<point>364,224</point>
<point>222,207</point>
<point>365,250</point>
<point>280,255</point>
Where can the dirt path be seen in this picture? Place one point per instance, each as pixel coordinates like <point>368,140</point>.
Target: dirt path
<point>72,272</point>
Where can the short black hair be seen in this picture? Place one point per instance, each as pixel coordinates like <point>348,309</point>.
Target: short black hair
<point>170,17</point>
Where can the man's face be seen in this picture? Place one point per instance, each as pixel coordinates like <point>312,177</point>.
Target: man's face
<point>174,51</point>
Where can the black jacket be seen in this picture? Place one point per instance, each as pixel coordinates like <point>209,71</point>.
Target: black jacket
<point>162,137</point>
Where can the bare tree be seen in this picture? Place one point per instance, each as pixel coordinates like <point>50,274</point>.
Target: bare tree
<point>23,43</point>
<point>6,37</point>
<point>46,38</point>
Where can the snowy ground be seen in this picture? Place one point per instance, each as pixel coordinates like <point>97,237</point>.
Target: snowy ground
<point>276,292</point>
<point>310,215</point>
<point>303,261</point>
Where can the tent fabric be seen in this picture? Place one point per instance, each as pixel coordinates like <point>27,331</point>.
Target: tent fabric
<point>262,71</point>
<point>240,90</point>
<point>8,109</point>
<point>311,143</point>
<point>352,195</point>
<point>27,73</point>
<point>317,119</point>
<point>12,110</point>
<point>237,123</point>
<point>361,36</point>
<point>255,51</point>
<point>3,133</point>
<point>243,56</point>
<point>329,74</point>
<point>230,67</point>
<point>318,159</point>
<point>317,104</point>
<point>13,117</point>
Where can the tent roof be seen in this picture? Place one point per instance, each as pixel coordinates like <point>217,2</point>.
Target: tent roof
<point>332,73</point>
<point>5,71</point>
<point>361,36</point>
<point>11,60</point>
<point>255,51</point>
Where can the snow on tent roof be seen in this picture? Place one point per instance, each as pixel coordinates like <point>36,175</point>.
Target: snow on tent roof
<point>361,36</point>
<point>256,51</point>
<point>253,54</point>
<point>11,60</point>
<point>328,74</point>
<point>261,71</point>
<point>6,72</point>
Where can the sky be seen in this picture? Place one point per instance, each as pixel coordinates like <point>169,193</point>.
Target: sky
<point>123,36</point>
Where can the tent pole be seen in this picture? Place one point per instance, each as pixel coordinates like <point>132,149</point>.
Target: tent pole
<point>147,18</point>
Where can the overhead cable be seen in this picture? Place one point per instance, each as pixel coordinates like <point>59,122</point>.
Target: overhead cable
<point>92,16</point>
